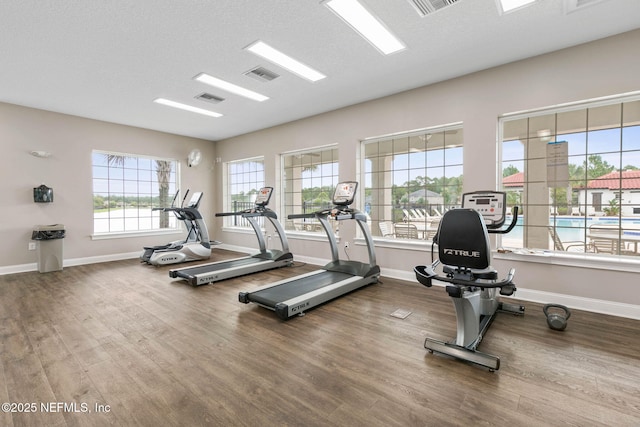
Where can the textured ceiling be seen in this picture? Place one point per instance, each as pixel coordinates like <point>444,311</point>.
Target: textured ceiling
<point>109,59</point>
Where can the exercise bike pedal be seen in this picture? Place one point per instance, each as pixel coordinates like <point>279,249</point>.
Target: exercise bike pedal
<point>507,290</point>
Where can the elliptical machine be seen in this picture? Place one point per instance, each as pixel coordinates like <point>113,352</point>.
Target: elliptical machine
<point>464,250</point>
<point>195,247</point>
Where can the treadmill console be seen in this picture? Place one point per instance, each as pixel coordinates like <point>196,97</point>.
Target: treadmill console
<point>492,205</point>
<point>195,200</point>
<point>264,195</point>
<point>345,193</point>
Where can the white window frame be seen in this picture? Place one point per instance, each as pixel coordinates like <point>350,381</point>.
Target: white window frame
<point>98,183</point>
<point>236,223</point>
<point>307,232</point>
<point>568,257</point>
<point>425,225</point>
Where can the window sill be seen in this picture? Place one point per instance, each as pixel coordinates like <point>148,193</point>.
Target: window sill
<point>309,235</point>
<point>294,235</point>
<point>239,230</point>
<point>577,259</point>
<point>410,244</point>
<point>128,234</point>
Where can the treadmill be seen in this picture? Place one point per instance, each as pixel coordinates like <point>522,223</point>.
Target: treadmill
<point>294,296</point>
<point>264,260</point>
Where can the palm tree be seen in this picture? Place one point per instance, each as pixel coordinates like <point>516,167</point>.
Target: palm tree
<point>163,172</point>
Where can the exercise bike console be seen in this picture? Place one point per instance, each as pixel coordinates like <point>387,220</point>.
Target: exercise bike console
<point>490,204</point>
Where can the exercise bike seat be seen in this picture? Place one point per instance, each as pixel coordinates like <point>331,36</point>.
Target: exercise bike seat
<point>463,241</point>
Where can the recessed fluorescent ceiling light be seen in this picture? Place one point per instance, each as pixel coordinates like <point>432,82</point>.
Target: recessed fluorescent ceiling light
<point>186,107</point>
<point>369,27</point>
<point>262,49</point>
<point>230,87</point>
<point>510,5</point>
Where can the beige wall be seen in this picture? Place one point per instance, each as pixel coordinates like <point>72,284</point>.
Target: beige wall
<point>606,67</point>
<point>68,171</point>
<point>602,68</point>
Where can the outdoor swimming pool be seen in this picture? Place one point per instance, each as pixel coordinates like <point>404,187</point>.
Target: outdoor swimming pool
<point>575,228</point>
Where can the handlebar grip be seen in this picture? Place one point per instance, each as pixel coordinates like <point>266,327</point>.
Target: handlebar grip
<point>513,221</point>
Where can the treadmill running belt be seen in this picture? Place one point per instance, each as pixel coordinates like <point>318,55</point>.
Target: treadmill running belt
<point>294,288</point>
<point>209,268</point>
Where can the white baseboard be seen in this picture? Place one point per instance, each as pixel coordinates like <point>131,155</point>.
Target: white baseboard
<point>101,258</point>
<point>21,268</point>
<point>579,303</point>
<point>611,308</point>
<point>72,262</point>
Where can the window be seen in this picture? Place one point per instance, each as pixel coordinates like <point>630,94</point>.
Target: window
<point>575,172</point>
<point>244,179</point>
<point>309,179</point>
<point>411,179</point>
<point>127,187</point>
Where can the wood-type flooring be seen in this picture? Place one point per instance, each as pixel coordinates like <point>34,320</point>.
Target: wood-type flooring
<point>121,343</point>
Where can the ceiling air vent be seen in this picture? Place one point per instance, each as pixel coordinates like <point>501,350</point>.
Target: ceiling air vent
<point>574,5</point>
<point>425,7</point>
<point>262,74</point>
<point>209,98</point>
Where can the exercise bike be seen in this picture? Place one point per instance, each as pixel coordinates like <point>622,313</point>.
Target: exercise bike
<point>464,250</point>
<point>195,247</point>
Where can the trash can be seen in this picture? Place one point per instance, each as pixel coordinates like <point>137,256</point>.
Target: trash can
<point>50,248</point>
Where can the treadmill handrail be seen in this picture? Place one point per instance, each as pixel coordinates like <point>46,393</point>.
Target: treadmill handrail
<point>256,211</point>
<point>261,211</point>
<point>228,213</point>
<point>182,213</point>
<point>265,213</point>
<point>340,213</point>
<point>298,216</point>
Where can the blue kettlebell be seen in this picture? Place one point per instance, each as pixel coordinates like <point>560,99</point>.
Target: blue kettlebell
<point>557,321</point>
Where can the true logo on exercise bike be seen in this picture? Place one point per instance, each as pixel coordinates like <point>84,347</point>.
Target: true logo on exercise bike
<point>462,252</point>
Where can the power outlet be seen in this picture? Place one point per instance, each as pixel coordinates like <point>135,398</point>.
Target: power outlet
<point>32,246</point>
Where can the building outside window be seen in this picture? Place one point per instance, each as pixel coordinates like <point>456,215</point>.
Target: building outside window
<point>411,179</point>
<point>244,180</point>
<point>309,178</point>
<point>575,173</point>
<point>126,188</point>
